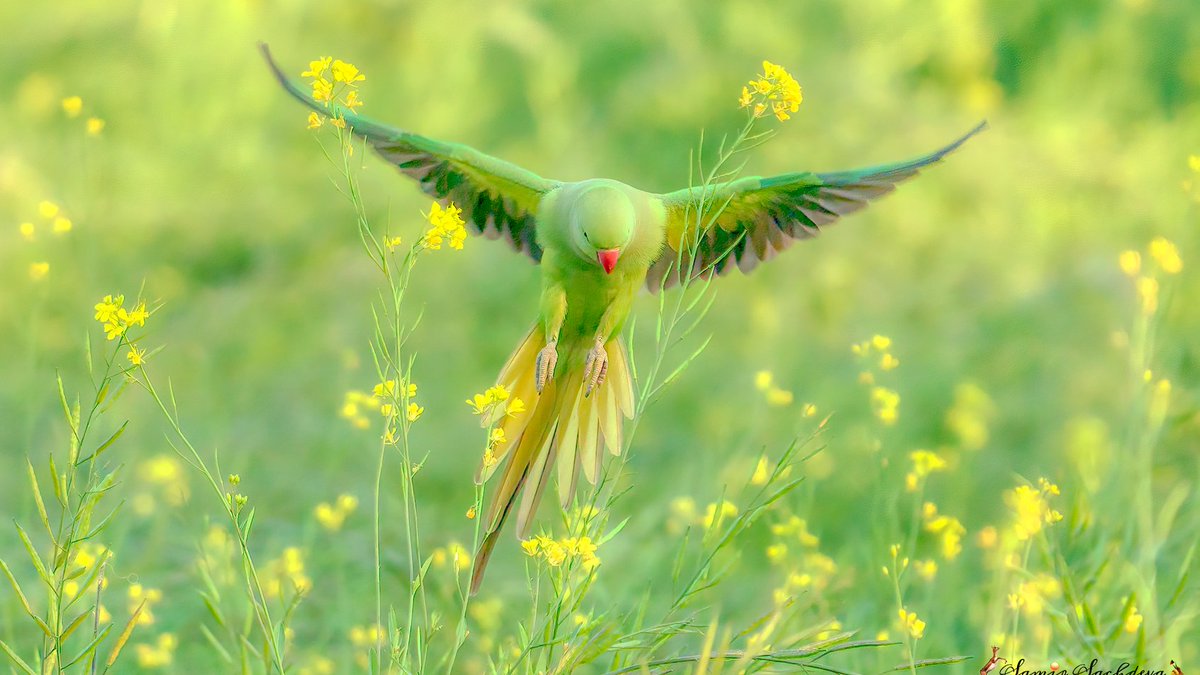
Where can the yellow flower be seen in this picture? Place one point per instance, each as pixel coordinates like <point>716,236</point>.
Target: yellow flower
<point>775,89</point>
<point>745,99</point>
<point>159,655</point>
<point>136,356</point>
<point>554,552</point>
<point>715,514</point>
<point>881,342</point>
<point>515,407</point>
<point>27,231</point>
<point>62,225</point>
<point>914,625</point>
<point>808,410</point>
<point>47,209</point>
<point>39,270</point>
<point>414,412</point>
<point>338,122</point>
<point>888,362</point>
<point>94,126</point>
<point>926,569</point>
<point>1147,288</point>
<point>779,397</point>
<point>346,72</point>
<point>445,224</point>
<point>392,243</point>
<point>776,552</point>
<point>322,90</point>
<point>72,105</point>
<point>1031,509</point>
<point>762,380</point>
<point>315,121</point>
<point>532,546</point>
<point>762,472</point>
<point>1130,262</point>
<point>317,68</point>
<point>352,101</point>
<point>496,438</point>
<point>1166,255</point>
<point>1134,621</point>
<point>471,513</point>
<point>885,403</point>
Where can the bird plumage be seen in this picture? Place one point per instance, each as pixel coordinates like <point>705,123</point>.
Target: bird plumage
<point>598,241</point>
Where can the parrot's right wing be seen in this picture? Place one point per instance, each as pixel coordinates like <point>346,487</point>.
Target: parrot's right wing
<point>498,199</point>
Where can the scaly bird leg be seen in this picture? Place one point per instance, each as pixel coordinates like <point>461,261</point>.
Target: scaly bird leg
<point>546,360</point>
<point>596,367</point>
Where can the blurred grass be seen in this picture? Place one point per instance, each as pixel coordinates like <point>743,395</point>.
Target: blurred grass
<point>997,268</point>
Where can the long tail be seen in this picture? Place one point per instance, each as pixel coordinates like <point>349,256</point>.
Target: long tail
<point>561,427</point>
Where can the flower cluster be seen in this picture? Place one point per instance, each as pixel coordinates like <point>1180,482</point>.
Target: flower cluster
<point>1031,508</point>
<point>968,418</point>
<point>885,403</point>
<point>948,528</point>
<point>382,399</point>
<point>774,90</point>
<point>332,516</point>
<point>286,574</point>
<point>557,552</point>
<point>446,225</point>
<point>145,598</point>
<point>911,623</point>
<point>333,82</point>
<point>924,462</point>
<point>158,655</point>
<point>764,381</point>
<point>73,106</point>
<point>116,319</point>
<point>1166,260</point>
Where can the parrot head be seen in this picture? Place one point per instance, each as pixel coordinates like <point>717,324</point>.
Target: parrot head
<point>602,223</point>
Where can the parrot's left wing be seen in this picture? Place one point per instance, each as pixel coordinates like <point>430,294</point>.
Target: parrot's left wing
<point>758,217</point>
<point>498,199</point>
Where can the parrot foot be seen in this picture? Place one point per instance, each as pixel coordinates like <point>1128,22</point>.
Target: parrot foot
<point>596,368</point>
<point>546,360</point>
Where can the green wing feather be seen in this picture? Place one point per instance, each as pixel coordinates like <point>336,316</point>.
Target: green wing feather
<point>759,217</point>
<point>499,199</point>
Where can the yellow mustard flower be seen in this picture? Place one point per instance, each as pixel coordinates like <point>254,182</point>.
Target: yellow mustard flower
<point>911,623</point>
<point>317,68</point>
<point>445,224</point>
<point>136,356</point>
<point>158,655</point>
<point>39,270</point>
<point>72,105</point>
<point>47,209</point>
<point>28,231</point>
<point>414,412</point>
<point>346,72</point>
<point>315,121</point>
<point>715,514</point>
<point>95,125</point>
<point>774,90</point>
<point>1164,252</point>
<point>1130,263</point>
<point>62,225</point>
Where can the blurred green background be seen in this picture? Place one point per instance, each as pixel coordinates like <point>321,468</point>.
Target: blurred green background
<point>996,268</point>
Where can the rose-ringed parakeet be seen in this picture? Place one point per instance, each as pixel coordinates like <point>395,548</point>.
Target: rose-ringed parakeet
<point>599,241</point>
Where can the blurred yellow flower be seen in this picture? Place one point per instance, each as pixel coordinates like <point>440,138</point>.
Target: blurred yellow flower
<point>763,380</point>
<point>970,416</point>
<point>47,209</point>
<point>27,231</point>
<point>392,243</point>
<point>159,655</point>
<point>332,516</point>
<point>779,397</point>
<point>888,362</point>
<point>777,552</point>
<point>72,105</point>
<point>62,225</point>
<point>1130,263</point>
<point>885,403</point>
<point>715,514</point>
<point>1166,255</point>
<point>881,342</point>
<point>1134,621</point>
<point>136,356</point>
<point>1031,509</point>
<point>322,90</point>
<point>39,270</point>
<point>95,125</point>
<point>926,569</point>
<point>315,121</point>
<point>762,472</point>
<point>145,598</point>
<point>948,528</point>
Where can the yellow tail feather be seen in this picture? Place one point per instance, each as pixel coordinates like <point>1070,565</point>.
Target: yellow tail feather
<point>561,426</point>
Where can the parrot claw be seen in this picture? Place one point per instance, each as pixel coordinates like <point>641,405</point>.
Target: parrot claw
<point>544,370</point>
<point>595,369</point>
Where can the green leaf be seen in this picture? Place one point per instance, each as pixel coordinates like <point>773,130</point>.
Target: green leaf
<point>24,601</point>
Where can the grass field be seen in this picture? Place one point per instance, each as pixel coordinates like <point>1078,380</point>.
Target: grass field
<point>963,418</point>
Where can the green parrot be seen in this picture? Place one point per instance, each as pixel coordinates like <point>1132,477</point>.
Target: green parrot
<point>599,241</point>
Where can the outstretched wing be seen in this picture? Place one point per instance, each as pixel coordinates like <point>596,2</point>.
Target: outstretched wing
<point>758,217</point>
<point>499,200</point>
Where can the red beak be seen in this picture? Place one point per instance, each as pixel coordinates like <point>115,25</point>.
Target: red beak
<point>608,258</point>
